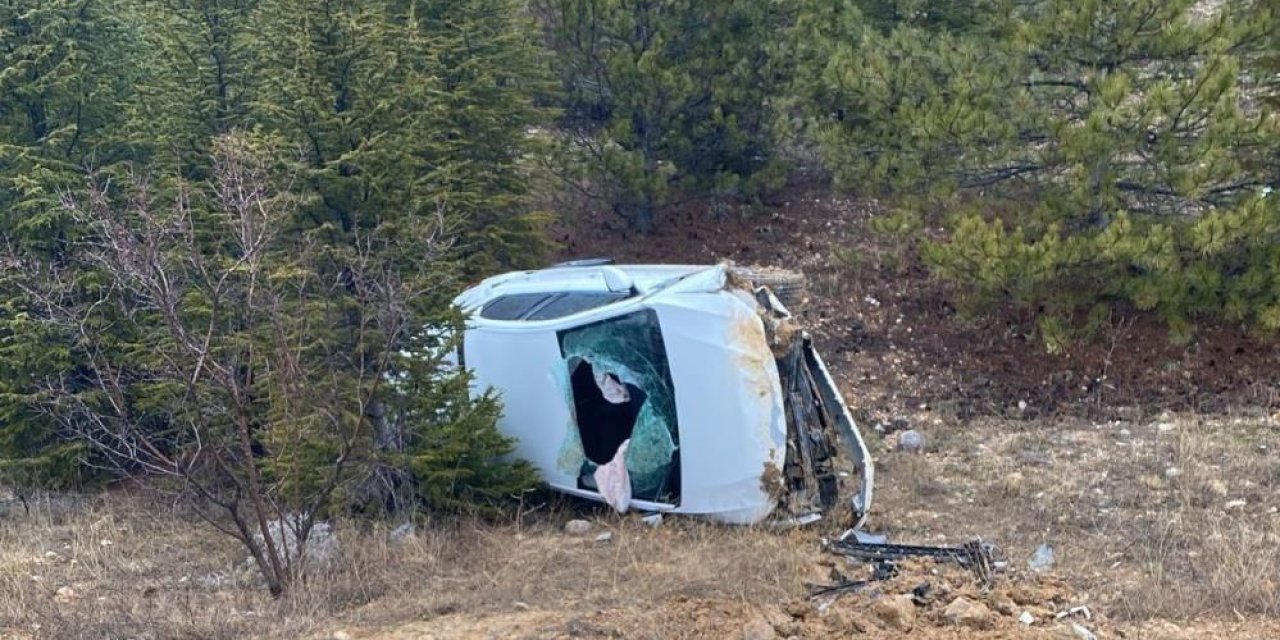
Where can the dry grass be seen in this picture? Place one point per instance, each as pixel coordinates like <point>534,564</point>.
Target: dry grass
<point>1142,517</point>
<point>163,575</point>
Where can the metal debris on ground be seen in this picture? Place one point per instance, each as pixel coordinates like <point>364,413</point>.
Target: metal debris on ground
<point>976,555</point>
<point>1082,610</point>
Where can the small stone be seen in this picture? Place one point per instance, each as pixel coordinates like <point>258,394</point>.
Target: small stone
<point>605,537</point>
<point>897,612</point>
<point>964,612</point>
<point>520,606</point>
<point>1172,472</point>
<point>1012,482</point>
<point>1218,487</point>
<point>1235,504</point>
<point>403,533</point>
<point>65,594</point>
<point>577,527</point>
<point>1081,632</point>
<point>1026,618</point>
<point>1042,559</point>
<point>1165,427</point>
<point>758,629</point>
<point>910,440</point>
<point>653,519</point>
<point>1022,405</point>
<point>341,635</point>
<point>104,543</point>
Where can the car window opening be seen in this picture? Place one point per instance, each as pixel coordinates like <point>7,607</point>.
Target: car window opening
<point>621,392</point>
<point>606,408</point>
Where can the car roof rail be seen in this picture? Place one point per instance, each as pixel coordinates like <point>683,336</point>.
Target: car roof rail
<point>583,262</point>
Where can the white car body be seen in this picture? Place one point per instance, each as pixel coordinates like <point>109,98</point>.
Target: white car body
<point>721,398</point>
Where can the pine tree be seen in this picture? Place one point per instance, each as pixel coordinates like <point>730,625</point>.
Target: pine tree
<point>246,366</point>
<point>1099,135</point>
<point>65,74</point>
<point>677,95</point>
<point>197,80</point>
<point>410,110</point>
<point>63,80</point>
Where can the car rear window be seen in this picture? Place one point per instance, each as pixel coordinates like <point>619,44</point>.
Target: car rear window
<point>513,307</point>
<point>548,306</point>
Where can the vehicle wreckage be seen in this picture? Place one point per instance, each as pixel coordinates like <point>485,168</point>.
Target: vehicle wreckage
<point>675,389</point>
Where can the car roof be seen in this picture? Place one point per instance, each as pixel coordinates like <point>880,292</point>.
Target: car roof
<point>637,279</point>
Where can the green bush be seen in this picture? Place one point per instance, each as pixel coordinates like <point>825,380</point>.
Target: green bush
<point>1107,153</point>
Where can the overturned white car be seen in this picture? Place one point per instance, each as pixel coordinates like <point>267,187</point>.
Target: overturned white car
<point>678,389</point>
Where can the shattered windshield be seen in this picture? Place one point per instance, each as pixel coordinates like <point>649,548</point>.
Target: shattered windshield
<point>617,380</point>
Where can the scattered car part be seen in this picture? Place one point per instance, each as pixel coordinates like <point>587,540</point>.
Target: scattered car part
<point>976,555</point>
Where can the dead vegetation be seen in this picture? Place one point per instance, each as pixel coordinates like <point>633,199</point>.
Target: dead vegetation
<point>1146,519</point>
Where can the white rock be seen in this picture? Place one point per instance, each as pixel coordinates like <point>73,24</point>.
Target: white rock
<point>605,537</point>
<point>1042,558</point>
<point>321,545</point>
<point>577,527</point>
<point>910,440</point>
<point>341,635</point>
<point>403,533</point>
<point>1081,632</point>
<point>1026,618</point>
<point>1235,504</point>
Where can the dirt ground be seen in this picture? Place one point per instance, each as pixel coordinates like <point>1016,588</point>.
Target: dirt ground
<point>1151,470</point>
<point>1162,529</point>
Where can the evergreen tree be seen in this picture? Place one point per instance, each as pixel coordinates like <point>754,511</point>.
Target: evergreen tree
<point>1101,138</point>
<point>409,110</point>
<point>198,79</point>
<point>245,366</point>
<point>65,74</point>
<point>677,94</point>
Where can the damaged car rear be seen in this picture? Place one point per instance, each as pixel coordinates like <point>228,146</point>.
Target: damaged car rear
<point>677,389</point>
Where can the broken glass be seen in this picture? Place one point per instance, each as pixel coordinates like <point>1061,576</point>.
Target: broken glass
<point>631,349</point>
